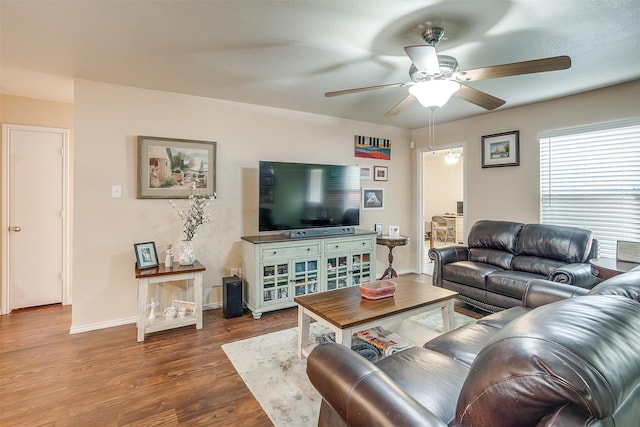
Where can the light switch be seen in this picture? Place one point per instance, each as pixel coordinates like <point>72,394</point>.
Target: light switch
<point>116,191</point>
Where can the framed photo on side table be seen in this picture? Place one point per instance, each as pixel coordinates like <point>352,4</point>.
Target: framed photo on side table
<point>380,173</point>
<point>146,255</point>
<point>501,149</point>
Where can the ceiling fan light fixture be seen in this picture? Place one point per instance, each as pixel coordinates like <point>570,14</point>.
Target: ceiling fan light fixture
<point>434,93</point>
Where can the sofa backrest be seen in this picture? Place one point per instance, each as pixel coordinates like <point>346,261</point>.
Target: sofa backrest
<point>493,242</point>
<point>627,285</point>
<point>559,242</point>
<point>576,358</point>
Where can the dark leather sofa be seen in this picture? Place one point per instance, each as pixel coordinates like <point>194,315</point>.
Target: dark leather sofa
<point>566,357</point>
<point>501,257</point>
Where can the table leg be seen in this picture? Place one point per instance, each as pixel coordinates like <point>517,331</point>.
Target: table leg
<point>389,272</point>
<point>197,292</point>
<point>304,322</point>
<point>447,316</point>
<point>343,336</point>
<point>143,287</point>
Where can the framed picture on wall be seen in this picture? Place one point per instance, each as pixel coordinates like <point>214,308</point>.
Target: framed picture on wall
<point>380,173</point>
<point>146,255</point>
<point>372,198</point>
<point>501,149</point>
<point>170,168</point>
<point>366,172</point>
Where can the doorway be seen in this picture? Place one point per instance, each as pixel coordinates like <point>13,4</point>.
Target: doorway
<point>35,216</point>
<point>441,191</point>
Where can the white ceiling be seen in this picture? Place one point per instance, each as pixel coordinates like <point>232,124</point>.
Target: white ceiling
<point>286,54</point>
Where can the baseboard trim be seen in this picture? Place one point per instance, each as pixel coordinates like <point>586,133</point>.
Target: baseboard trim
<point>101,325</point>
<point>126,321</point>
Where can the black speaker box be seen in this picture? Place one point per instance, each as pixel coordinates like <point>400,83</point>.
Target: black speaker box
<point>231,296</point>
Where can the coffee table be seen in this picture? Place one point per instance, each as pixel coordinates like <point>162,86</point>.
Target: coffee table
<point>344,311</point>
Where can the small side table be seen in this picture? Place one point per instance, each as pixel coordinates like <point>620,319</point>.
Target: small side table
<point>606,268</point>
<point>391,242</point>
<point>161,274</point>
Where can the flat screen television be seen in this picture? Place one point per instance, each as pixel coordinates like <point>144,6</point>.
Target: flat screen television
<point>302,195</point>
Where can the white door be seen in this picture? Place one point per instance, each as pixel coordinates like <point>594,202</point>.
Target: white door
<point>34,216</point>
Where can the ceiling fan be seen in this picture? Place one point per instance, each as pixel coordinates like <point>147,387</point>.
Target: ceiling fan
<point>435,78</point>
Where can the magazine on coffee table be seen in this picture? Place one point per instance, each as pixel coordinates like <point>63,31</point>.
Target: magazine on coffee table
<point>386,342</point>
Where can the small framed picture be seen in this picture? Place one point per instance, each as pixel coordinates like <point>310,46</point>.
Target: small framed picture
<point>394,231</point>
<point>501,149</point>
<point>372,198</point>
<point>146,255</point>
<point>366,172</point>
<point>380,173</point>
<point>378,228</point>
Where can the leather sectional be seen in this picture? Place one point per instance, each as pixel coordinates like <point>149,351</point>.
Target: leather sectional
<point>567,356</point>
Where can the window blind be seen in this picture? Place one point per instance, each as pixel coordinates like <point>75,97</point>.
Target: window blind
<point>590,178</point>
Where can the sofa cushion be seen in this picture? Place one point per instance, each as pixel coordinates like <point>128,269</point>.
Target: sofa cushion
<point>409,368</point>
<point>496,257</point>
<point>510,283</point>
<point>501,235</point>
<point>536,265</point>
<point>568,244</point>
<point>469,273</point>
<point>463,344</point>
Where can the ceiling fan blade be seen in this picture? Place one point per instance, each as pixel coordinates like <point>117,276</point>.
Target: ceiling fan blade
<point>362,89</point>
<point>481,99</point>
<point>406,101</point>
<point>516,68</point>
<point>425,58</point>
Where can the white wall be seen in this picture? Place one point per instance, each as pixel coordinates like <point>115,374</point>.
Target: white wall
<point>107,120</point>
<point>512,193</point>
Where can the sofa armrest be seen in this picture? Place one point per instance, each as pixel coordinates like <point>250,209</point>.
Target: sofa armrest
<point>540,292</point>
<point>446,255</point>
<point>360,393</point>
<point>577,274</point>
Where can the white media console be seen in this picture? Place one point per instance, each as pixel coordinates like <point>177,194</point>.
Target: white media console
<point>276,268</point>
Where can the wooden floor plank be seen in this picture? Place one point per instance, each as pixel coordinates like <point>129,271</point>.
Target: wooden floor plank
<point>106,378</point>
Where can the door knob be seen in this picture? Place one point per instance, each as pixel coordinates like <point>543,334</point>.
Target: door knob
<point>15,228</point>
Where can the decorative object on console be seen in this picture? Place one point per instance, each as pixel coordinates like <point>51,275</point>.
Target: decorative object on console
<point>372,148</point>
<point>146,255</point>
<point>394,231</point>
<point>501,149</point>
<point>380,173</point>
<point>192,217</point>
<point>372,198</point>
<point>167,167</point>
<point>168,259</point>
<point>152,306</point>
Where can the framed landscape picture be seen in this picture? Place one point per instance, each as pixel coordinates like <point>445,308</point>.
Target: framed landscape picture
<point>170,168</point>
<point>501,149</point>
<point>380,173</point>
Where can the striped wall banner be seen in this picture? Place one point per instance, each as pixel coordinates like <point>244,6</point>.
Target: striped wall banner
<point>372,148</point>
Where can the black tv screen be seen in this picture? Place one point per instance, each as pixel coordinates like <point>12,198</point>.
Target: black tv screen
<point>301,195</point>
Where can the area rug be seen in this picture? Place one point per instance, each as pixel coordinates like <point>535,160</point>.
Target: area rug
<point>269,366</point>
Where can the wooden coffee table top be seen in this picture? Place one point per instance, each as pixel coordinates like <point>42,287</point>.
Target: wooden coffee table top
<point>345,307</point>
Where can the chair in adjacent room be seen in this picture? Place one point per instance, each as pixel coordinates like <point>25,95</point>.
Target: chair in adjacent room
<point>442,230</point>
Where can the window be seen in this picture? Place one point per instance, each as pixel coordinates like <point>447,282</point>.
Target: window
<point>590,178</point>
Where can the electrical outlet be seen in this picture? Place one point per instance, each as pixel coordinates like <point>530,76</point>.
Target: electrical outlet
<point>234,271</point>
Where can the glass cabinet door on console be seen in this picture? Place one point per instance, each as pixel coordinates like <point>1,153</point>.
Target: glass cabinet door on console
<point>337,272</point>
<point>275,279</point>
<point>305,277</point>
<point>361,268</point>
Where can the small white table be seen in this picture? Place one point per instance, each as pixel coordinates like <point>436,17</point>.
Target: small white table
<point>162,274</point>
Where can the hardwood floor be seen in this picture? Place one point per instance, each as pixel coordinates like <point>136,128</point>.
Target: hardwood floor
<point>105,378</point>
